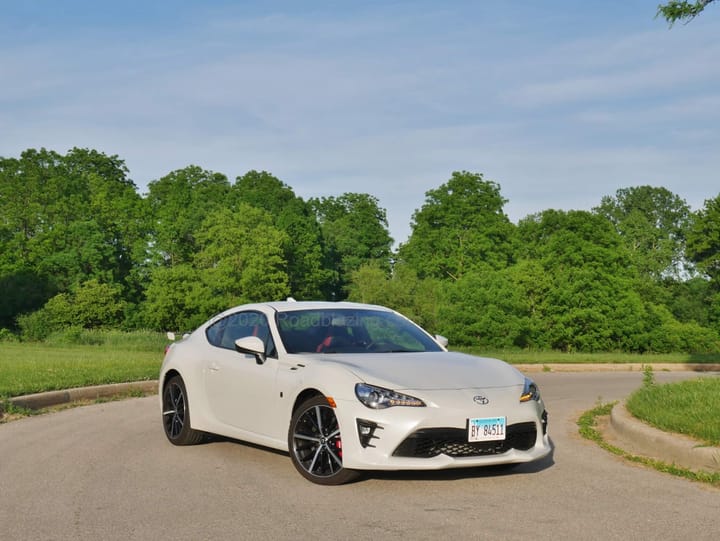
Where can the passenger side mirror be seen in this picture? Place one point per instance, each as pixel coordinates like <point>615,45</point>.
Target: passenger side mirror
<point>251,345</point>
<point>441,340</point>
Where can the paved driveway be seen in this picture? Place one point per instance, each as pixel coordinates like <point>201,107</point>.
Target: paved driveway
<point>107,472</point>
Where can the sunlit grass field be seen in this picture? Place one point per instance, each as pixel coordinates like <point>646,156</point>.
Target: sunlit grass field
<point>688,407</point>
<point>115,357</point>
<point>559,357</point>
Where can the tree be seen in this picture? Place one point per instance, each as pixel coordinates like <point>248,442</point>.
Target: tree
<point>241,257</point>
<point>178,203</point>
<point>400,290</point>
<point>653,222</point>
<point>486,308</point>
<point>67,219</point>
<point>681,10</point>
<point>703,248</point>
<point>460,227</point>
<point>703,244</point>
<point>355,231</point>
<point>174,298</point>
<point>305,249</point>
<point>587,302</point>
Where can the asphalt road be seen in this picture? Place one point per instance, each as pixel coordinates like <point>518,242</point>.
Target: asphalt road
<point>106,472</point>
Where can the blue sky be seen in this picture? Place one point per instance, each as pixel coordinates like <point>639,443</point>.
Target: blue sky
<point>560,103</point>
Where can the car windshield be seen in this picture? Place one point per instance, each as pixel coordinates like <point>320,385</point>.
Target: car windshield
<point>351,331</point>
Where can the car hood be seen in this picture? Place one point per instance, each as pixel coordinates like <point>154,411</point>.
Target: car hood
<point>426,371</point>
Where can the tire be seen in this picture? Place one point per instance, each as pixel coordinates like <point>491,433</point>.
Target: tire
<point>176,414</point>
<point>315,444</point>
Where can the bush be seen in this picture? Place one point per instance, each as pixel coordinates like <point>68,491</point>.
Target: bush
<point>120,340</point>
<point>92,305</point>
<point>35,327</point>
<point>6,335</point>
<point>74,336</point>
<point>666,334</point>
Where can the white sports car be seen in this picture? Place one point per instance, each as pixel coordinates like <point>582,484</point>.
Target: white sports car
<point>345,387</point>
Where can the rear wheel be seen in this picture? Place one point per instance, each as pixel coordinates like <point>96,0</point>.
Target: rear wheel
<point>315,443</point>
<point>176,414</point>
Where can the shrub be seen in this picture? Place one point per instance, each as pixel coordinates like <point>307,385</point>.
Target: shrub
<point>6,335</point>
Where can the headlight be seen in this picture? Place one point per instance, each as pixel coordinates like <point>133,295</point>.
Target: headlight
<point>378,398</point>
<point>530,391</point>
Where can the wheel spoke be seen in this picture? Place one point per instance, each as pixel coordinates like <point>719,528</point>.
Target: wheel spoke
<point>334,456</point>
<point>319,419</point>
<point>316,441</point>
<point>174,410</point>
<point>311,468</point>
<point>305,437</point>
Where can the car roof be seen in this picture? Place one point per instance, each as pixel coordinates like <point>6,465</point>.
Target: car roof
<point>291,306</point>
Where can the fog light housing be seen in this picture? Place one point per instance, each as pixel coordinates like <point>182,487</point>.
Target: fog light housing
<point>366,432</point>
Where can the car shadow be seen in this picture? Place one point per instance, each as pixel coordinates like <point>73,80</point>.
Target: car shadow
<point>214,438</point>
<point>451,474</point>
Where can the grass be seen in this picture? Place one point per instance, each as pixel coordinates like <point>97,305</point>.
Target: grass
<point>558,357</point>
<point>687,407</point>
<point>587,425</point>
<point>32,368</point>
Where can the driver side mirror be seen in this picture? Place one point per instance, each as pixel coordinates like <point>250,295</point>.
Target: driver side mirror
<point>441,340</point>
<point>251,345</point>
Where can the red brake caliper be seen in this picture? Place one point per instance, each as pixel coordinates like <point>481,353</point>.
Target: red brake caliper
<point>338,446</point>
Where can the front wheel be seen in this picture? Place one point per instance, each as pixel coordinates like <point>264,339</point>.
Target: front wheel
<point>176,414</point>
<point>315,444</point>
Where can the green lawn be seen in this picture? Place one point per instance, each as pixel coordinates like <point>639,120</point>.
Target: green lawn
<point>32,368</point>
<point>557,357</point>
<point>689,407</point>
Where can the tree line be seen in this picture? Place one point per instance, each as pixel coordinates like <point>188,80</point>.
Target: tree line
<point>80,247</point>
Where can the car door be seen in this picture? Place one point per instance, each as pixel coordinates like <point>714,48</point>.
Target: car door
<point>241,391</point>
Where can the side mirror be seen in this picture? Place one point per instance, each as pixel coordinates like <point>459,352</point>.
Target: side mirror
<point>251,345</point>
<point>441,340</point>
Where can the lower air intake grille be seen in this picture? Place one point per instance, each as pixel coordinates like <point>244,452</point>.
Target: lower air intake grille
<point>452,442</point>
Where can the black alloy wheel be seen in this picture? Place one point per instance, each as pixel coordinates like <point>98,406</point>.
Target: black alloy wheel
<point>315,443</point>
<point>176,414</point>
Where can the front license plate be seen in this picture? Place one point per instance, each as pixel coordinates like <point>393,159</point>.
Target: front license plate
<point>486,429</point>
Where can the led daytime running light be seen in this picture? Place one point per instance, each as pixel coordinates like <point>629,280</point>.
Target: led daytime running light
<point>381,398</point>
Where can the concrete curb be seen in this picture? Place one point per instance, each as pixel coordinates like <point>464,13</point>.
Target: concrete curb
<point>676,449</point>
<point>55,398</point>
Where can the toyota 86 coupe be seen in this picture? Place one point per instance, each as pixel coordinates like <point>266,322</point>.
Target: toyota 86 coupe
<point>345,387</point>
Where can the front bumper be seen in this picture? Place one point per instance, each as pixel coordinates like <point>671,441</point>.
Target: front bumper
<point>435,437</point>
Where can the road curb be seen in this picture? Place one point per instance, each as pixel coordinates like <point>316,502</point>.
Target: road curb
<point>676,449</point>
<point>55,398</point>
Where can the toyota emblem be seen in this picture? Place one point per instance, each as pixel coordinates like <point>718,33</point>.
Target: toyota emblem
<point>479,399</point>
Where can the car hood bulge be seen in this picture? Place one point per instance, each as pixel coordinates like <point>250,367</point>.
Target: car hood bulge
<point>427,371</point>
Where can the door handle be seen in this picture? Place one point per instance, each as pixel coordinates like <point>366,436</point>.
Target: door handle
<point>213,367</point>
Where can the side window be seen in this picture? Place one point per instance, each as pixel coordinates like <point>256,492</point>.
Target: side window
<point>214,333</point>
<point>240,325</point>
